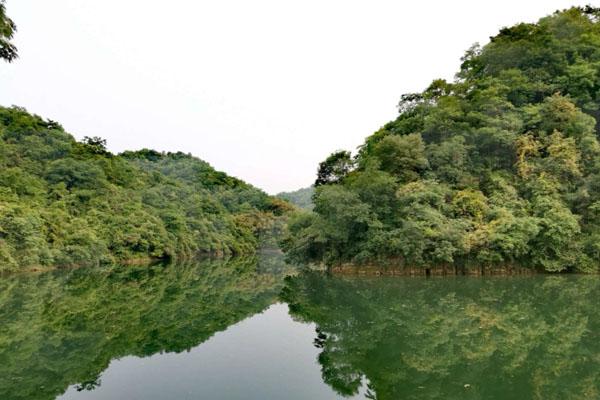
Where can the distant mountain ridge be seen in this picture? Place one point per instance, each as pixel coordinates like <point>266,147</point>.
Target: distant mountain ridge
<point>301,198</point>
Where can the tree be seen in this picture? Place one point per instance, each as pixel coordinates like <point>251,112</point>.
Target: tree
<point>64,202</point>
<point>8,51</point>
<point>500,167</point>
<point>402,156</point>
<point>94,145</point>
<point>335,168</point>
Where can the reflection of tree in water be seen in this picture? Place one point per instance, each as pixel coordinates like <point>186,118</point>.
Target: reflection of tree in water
<point>65,327</point>
<point>272,261</point>
<point>498,338</point>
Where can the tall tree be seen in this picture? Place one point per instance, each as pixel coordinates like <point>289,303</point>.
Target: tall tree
<point>334,168</point>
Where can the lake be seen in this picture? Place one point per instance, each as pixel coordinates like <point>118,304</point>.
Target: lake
<point>237,329</point>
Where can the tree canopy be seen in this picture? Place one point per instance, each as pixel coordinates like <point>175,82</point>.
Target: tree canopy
<point>8,51</point>
<point>499,167</point>
<point>65,202</point>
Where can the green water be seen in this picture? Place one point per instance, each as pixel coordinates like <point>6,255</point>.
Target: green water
<point>237,330</point>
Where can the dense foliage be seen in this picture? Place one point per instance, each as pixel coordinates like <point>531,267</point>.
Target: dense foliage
<point>67,202</point>
<point>64,327</point>
<point>499,167</point>
<point>495,338</point>
<point>301,198</point>
<point>8,51</point>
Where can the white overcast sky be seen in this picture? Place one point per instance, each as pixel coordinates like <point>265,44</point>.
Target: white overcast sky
<point>263,90</point>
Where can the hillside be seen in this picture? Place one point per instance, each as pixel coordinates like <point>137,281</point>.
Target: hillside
<point>64,202</point>
<point>500,167</point>
<point>301,198</point>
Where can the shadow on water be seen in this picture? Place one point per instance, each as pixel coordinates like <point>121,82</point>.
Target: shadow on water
<point>534,337</point>
<point>63,328</point>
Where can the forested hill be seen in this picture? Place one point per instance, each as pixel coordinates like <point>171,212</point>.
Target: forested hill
<point>499,167</point>
<point>65,202</point>
<point>301,198</point>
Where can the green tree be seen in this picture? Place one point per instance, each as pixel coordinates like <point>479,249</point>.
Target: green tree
<point>64,202</point>
<point>335,168</point>
<point>8,51</point>
<point>497,169</point>
<point>402,156</point>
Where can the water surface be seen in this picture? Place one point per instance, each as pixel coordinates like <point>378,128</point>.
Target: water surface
<point>533,337</point>
<point>237,330</point>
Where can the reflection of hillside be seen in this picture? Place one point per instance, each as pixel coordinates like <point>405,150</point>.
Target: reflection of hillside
<point>64,327</point>
<point>505,338</point>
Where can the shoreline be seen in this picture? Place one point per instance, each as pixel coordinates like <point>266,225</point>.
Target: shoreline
<point>137,261</point>
<point>56,267</point>
<point>446,270</point>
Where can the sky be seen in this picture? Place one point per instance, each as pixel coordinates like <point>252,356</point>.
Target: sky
<point>263,90</point>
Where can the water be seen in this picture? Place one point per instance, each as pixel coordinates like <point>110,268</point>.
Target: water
<point>238,330</point>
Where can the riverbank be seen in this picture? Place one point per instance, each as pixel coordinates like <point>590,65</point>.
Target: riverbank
<point>444,270</point>
<point>137,261</point>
